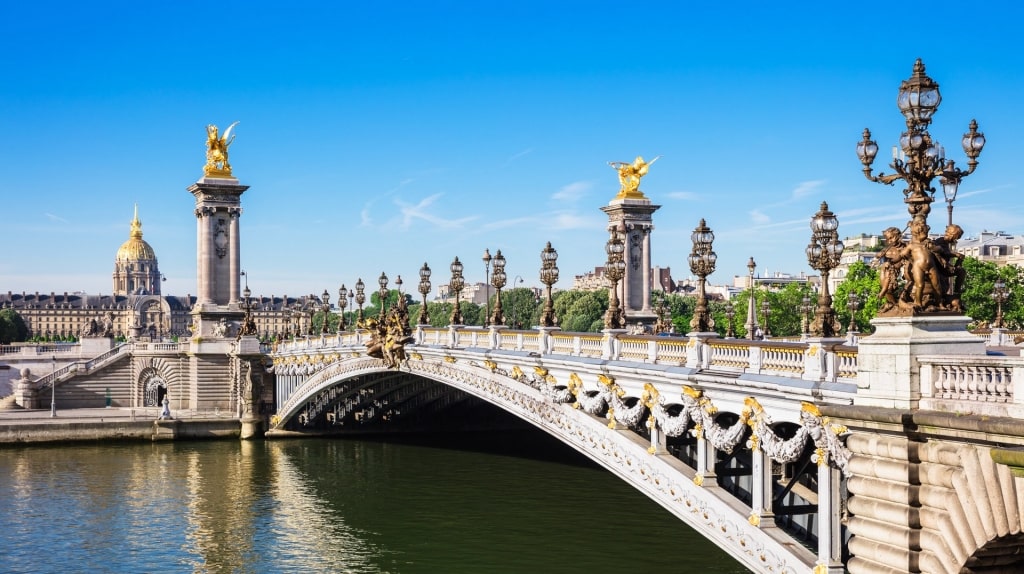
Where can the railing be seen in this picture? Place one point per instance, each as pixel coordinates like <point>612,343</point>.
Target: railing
<point>978,379</point>
<point>34,350</point>
<point>797,360</point>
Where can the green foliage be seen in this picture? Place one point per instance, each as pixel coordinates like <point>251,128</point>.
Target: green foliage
<point>581,311</point>
<point>318,322</point>
<point>864,282</point>
<point>521,307</point>
<point>979,285</point>
<point>12,327</point>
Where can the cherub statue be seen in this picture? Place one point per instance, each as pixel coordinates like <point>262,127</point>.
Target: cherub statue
<point>217,151</point>
<point>630,174</point>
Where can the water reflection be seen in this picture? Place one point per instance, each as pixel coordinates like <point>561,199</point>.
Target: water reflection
<point>332,506</point>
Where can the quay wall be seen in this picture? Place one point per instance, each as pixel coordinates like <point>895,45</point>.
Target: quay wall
<point>95,431</point>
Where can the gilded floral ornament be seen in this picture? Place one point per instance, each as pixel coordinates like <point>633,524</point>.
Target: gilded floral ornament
<point>517,373</point>
<point>416,356</point>
<point>450,359</point>
<point>541,371</point>
<point>491,365</point>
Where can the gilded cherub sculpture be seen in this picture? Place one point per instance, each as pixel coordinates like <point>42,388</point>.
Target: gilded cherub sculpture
<point>217,151</point>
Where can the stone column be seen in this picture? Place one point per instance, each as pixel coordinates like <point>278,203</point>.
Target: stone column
<point>705,463</point>
<point>234,262</point>
<point>761,514</point>
<point>646,302</point>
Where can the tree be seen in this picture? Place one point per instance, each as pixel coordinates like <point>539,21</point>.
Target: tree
<point>522,307</point>
<point>863,281</point>
<point>581,311</point>
<point>12,327</point>
<point>979,285</point>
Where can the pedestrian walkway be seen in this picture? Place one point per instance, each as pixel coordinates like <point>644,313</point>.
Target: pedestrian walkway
<point>112,414</point>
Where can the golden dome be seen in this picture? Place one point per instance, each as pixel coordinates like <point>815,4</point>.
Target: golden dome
<point>135,249</point>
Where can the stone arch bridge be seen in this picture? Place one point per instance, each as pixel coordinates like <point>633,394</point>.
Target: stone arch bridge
<point>776,451</point>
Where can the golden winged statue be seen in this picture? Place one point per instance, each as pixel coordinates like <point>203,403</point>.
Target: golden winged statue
<point>630,174</point>
<point>217,151</point>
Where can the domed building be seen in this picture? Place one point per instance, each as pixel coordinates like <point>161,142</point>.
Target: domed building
<point>136,309</point>
<point>136,271</point>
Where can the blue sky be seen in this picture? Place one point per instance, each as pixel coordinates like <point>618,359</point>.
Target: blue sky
<point>378,136</point>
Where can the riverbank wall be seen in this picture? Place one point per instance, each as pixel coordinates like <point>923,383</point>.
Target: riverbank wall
<point>32,432</point>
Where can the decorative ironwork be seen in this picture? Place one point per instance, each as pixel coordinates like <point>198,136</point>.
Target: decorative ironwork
<point>382,295</point>
<point>751,324</point>
<point>549,276</point>
<point>424,289</point>
<point>823,254</point>
<point>853,304</point>
<point>342,303</point>
<point>999,294</point>
<point>498,281</point>
<point>702,264</point>
<point>325,309</point>
<point>932,275</point>
<point>360,299</point>
<point>456,284</point>
<point>487,285</point>
<point>614,270</point>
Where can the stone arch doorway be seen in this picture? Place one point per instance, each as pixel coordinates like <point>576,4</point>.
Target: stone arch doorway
<point>154,391</point>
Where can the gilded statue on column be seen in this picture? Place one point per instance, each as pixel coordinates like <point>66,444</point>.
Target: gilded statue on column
<point>217,151</point>
<point>630,174</point>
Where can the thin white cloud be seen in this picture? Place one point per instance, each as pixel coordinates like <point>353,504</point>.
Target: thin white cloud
<point>573,191</point>
<point>411,213</point>
<point>516,156</point>
<point>806,188</point>
<point>759,218</point>
<point>55,218</point>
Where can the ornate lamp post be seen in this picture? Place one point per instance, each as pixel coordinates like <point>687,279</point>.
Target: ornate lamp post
<point>702,264</point>
<point>498,281</point>
<point>487,285</point>
<point>823,255</point>
<point>614,269</point>
<point>664,323</point>
<point>751,324</point>
<point>360,299</point>
<point>853,304</point>
<point>805,314</point>
<point>999,294</point>
<point>456,284</point>
<point>383,293</point>
<point>766,311</point>
<point>342,303</point>
<point>424,290</point>
<point>548,276</point>
<point>730,313</point>
<point>326,309</point>
<point>917,161</point>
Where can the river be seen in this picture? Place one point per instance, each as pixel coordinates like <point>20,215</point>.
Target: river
<point>475,504</point>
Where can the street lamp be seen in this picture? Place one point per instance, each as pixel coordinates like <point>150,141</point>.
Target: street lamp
<point>548,276</point>
<point>664,323</point>
<point>342,303</point>
<point>360,299</point>
<point>805,314</point>
<point>853,304</point>
<point>751,324</point>
<point>456,284</point>
<point>383,293</point>
<point>766,311</point>
<point>730,313</point>
<point>702,264</point>
<point>498,281</point>
<point>999,294</point>
<point>326,309</point>
<point>517,318</point>
<point>424,290</point>
<point>614,269</point>
<point>823,254</point>
<point>917,161</point>
<point>487,285</point>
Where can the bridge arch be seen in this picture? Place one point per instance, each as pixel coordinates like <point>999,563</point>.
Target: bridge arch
<point>660,476</point>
